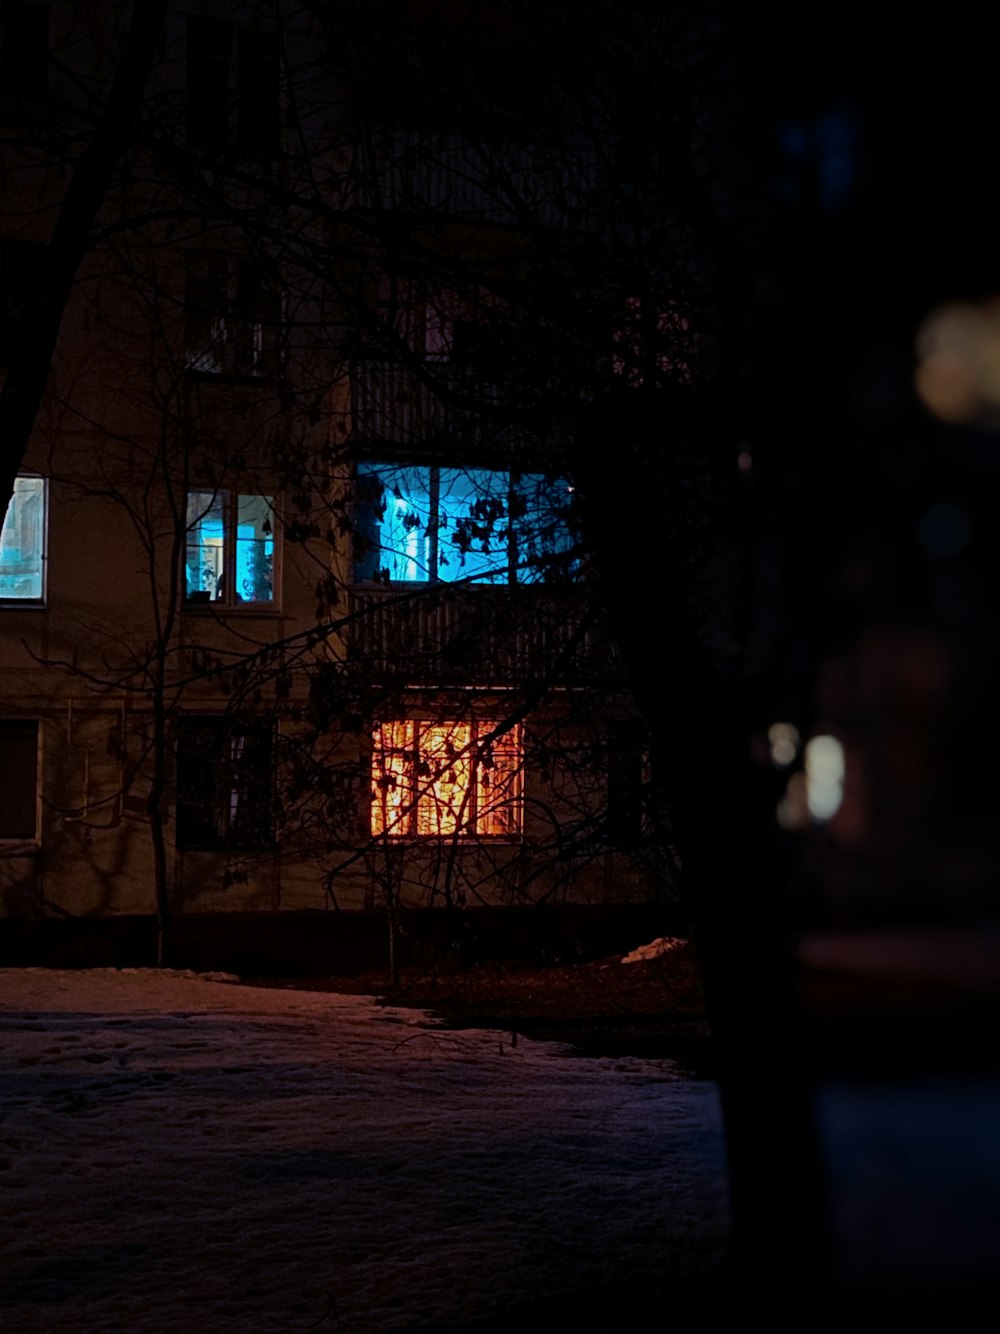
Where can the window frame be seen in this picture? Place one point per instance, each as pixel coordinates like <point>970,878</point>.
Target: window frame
<point>210,761</point>
<point>25,73</point>
<point>32,840</point>
<point>10,602</point>
<point>227,600</point>
<point>19,261</point>
<point>371,475</point>
<point>233,78</point>
<point>233,318</point>
<point>407,755</point>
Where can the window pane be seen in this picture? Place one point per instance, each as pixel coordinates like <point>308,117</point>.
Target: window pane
<point>19,262</point>
<point>498,783</point>
<point>259,110</point>
<point>24,51</point>
<point>404,524</point>
<point>18,778</point>
<point>473,525</point>
<point>206,309</point>
<point>204,579</point>
<point>209,51</point>
<point>224,783</point>
<point>431,780</point>
<point>254,549</point>
<point>543,537</point>
<point>392,770</point>
<point>444,778</point>
<point>22,542</point>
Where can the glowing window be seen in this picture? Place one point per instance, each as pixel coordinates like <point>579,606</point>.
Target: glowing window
<point>444,779</point>
<point>22,543</point>
<point>426,524</point>
<point>230,549</point>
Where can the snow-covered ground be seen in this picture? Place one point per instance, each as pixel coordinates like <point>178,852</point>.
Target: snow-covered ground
<point>182,1154</point>
<point>178,1153</point>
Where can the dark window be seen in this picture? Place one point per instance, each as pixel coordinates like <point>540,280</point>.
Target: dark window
<point>232,83</point>
<point>225,780</point>
<point>258,113</point>
<point>18,779</point>
<point>18,263</point>
<point>232,307</point>
<point>417,524</point>
<point>24,50</point>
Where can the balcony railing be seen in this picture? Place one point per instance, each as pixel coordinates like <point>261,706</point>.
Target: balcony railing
<point>395,404</point>
<point>480,636</point>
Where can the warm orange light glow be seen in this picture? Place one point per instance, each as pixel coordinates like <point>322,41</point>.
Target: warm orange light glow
<point>442,779</point>
<point>958,362</point>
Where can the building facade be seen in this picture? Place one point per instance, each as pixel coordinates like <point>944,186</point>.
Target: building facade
<point>296,614</point>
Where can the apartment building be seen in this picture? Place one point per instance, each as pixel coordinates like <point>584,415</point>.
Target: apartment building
<point>297,619</point>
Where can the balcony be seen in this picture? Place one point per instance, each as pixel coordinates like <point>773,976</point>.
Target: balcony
<point>394,404</point>
<point>481,636</point>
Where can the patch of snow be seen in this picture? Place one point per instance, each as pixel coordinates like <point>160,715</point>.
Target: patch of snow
<point>655,949</point>
<point>178,1154</point>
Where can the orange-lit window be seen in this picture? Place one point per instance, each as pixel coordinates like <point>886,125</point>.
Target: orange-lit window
<point>441,779</point>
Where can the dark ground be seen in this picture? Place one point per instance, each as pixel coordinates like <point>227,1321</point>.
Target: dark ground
<point>604,1007</point>
<point>854,1022</point>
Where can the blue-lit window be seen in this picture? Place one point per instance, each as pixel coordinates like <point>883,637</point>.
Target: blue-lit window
<point>22,543</point>
<point>419,524</point>
<point>230,551</point>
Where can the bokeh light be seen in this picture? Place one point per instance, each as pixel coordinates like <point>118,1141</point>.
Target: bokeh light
<point>824,776</point>
<point>958,362</point>
<point>784,742</point>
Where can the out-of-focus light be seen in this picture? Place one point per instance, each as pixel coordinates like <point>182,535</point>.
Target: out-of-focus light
<point>793,808</point>
<point>958,362</point>
<point>824,777</point>
<point>744,460</point>
<point>784,742</point>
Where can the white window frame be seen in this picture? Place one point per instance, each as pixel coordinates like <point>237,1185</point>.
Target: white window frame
<point>7,599</point>
<point>225,595</point>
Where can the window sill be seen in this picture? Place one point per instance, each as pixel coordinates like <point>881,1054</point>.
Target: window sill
<point>220,610</point>
<point>227,850</point>
<point>436,840</point>
<point>248,379</point>
<point>17,604</point>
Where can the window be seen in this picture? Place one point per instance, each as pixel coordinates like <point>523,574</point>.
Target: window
<point>421,524</point>
<point>658,343</point>
<point>232,87</point>
<point>225,780</point>
<point>409,316</point>
<point>230,549</point>
<point>22,543</point>
<point>439,779</point>
<point>18,262</point>
<point>19,779</point>
<point>24,50</point>
<point>232,308</point>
